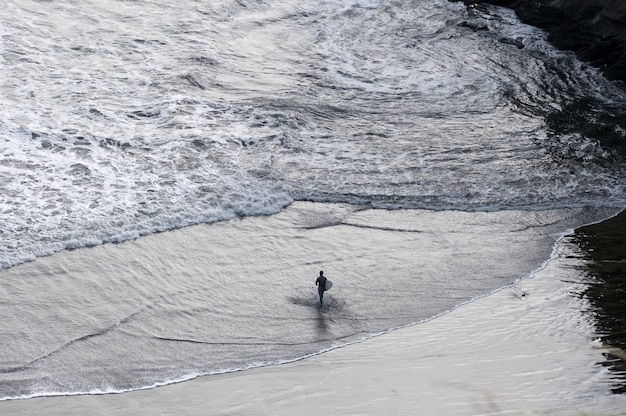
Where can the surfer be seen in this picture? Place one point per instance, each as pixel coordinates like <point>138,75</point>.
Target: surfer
<point>321,286</point>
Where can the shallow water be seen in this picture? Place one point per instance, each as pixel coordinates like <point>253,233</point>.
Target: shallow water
<point>534,348</point>
<point>240,294</point>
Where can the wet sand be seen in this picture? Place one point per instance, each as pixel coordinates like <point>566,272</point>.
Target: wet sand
<point>604,245</point>
<point>544,346</point>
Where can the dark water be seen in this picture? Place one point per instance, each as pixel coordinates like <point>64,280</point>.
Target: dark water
<point>409,149</point>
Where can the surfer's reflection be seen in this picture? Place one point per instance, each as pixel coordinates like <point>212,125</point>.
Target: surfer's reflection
<point>322,321</point>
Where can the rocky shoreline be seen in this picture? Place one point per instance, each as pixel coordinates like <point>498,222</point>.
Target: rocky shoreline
<point>594,29</point>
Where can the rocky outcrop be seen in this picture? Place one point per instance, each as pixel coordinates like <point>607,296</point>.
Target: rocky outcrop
<point>594,29</point>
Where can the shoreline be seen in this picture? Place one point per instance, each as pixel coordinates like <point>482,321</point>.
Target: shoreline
<point>531,347</point>
<point>605,245</point>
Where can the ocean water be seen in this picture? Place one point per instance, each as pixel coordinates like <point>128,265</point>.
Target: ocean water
<point>421,154</point>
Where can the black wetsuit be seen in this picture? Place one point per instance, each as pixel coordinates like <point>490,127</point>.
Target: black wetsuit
<point>321,287</point>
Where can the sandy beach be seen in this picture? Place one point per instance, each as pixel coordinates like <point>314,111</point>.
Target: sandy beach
<point>174,178</point>
<point>534,348</point>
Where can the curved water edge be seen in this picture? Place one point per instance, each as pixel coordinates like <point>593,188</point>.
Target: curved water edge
<point>227,296</point>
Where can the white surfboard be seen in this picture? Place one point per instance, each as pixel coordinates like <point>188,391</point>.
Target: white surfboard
<point>328,285</point>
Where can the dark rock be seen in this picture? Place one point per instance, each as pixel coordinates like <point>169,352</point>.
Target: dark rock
<point>594,29</point>
<point>517,42</point>
<point>474,26</point>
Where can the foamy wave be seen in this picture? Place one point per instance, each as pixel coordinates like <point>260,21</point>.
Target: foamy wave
<point>389,105</point>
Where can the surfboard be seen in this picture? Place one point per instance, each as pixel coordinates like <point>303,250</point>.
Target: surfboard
<point>328,285</point>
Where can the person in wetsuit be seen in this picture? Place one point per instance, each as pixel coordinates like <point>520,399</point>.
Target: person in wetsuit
<point>321,286</point>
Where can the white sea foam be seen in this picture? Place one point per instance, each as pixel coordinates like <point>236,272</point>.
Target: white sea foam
<point>114,127</point>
